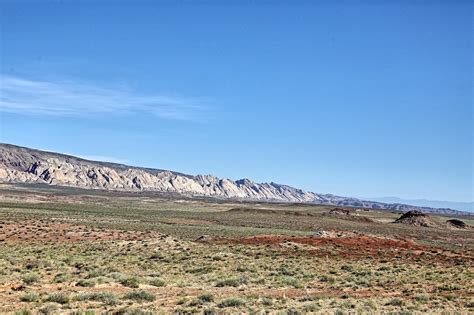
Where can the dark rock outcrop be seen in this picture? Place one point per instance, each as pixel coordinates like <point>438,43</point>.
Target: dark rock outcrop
<point>416,218</point>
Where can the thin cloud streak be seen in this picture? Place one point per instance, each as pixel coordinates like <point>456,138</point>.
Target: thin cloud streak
<point>21,96</point>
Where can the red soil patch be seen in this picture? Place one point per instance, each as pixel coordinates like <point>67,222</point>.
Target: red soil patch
<point>352,247</point>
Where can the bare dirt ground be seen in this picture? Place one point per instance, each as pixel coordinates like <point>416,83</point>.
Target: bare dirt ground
<point>55,231</point>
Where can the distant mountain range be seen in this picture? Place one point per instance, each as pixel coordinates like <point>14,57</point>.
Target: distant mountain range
<point>24,165</point>
<point>463,206</point>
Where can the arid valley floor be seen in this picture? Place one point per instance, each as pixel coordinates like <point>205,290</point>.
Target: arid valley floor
<point>82,251</point>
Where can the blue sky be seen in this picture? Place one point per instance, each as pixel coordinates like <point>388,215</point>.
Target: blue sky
<point>355,98</point>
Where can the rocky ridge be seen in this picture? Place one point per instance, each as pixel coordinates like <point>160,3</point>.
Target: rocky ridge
<point>24,165</point>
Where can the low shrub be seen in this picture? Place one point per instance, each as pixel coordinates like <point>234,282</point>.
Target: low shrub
<point>206,298</point>
<point>290,281</point>
<point>60,298</point>
<point>231,282</point>
<point>267,301</point>
<point>395,302</point>
<point>49,308</point>
<point>157,282</point>
<point>232,302</point>
<point>29,297</point>
<point>104,297</point>
<point>131,282</point>
<point>30,278</point>
<point>140,295</point>
<point>61,277</point>
<point>85,283</point>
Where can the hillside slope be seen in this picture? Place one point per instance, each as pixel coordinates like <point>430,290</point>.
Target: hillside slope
<point>24,165</point>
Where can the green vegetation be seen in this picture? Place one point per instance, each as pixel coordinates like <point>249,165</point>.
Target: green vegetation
<point>157,282</point>
<point>107,298</point>
<point>60,298</point>
<point>140,295</point>
<point>30,278</point>
<point>29,297</point>
<point>231,282</point>
<point>85,283</point>
<point>131,282</point>
<point>232,302</point>
<point>206,298</point>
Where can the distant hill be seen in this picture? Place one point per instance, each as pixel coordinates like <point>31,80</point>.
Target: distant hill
<point>463,206</point>
<point>24,165</point>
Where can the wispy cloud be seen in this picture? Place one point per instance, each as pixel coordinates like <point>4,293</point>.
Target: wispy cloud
<point>67,98</point>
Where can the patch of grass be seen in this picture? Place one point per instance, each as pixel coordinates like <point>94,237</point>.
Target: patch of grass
<point>60,298</point>
<point>449,287</point>
<point>209,311</point>
<point>231,282</point>
<point>134,311</point>
<point>201,270</point>
<point>140,296</point>
<point>61,277</point>
<point>206,298</point>
<point>104,297</point>
<point>85,283</point>
<point>395,302</point>
<point>291,281</point>
<point>311,308</point>
<point>30,297</point>
<point>267,301</point>
<point>157,282</point>
<point>131,282</point>
<point>329,279</point>
<point>195,302</point>
<point>49,308</point>
<point>422,298</point>
<point>182,301</point>
<point>30,278</point>
<point>232,302</point>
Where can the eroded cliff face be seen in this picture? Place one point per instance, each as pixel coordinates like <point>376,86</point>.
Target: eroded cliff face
<point>22,165</point>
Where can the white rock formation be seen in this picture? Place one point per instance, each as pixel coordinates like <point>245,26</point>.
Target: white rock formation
<point>24,165</point>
